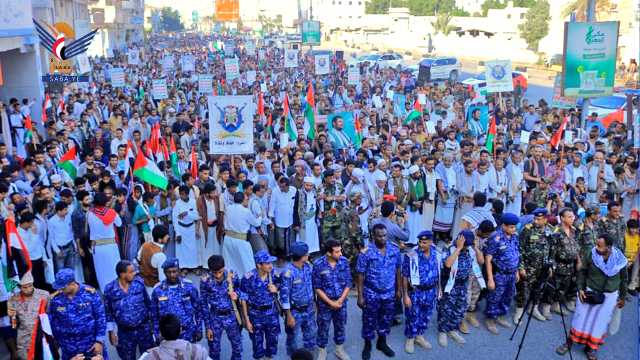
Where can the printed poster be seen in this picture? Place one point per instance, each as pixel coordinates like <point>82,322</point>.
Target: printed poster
<point>250,48</point>
<point>353,76</point>
<point>167,63</point>
<point>117,77</point>
<point>323,64</point>
<point>231,124</point>
<point>188,63</point>
<point>159,89</point>
<point>290,58</point>
<point>205,83</point>
<point>232,68</point>
<point>498,75</point>
<point>251,76</point>
<point>133,57</point>
<point>84,66</point>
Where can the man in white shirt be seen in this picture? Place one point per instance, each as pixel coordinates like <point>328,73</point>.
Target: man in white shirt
<point>61,237</point>
<point>236,250</point>
<point>185,222</point>
<point>259,208</point>
<point>28,233</point>
<point>281,215</point>
<point>118,140</point>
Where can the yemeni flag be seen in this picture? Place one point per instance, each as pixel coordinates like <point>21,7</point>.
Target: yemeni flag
<point>414,114</point>
<point>491,135</point>
<point>17,260</point>
<point>555,139</point>
<point>154,140</point>
<point>290,124</point>
<point>46,105</point>
<point>28,133</point>
<point>60,106</point>
<point>173,155</point>
<point>41,336</point>
<point>69,162</point>
<point>194,162</point>
<point>617,116</point>
<point>147,171</point>
<point>358,128</point>
<point>309,114</point>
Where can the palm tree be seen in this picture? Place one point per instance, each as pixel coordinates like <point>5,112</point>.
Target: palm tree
<point>442,23</point>
<point>580,8</point>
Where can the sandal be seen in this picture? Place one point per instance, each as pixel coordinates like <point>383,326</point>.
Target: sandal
<point>563,349</point>
<point>590,353</point>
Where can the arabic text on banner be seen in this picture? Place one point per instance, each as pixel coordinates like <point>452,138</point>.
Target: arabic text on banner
<point>159,89</point>
<point>231,124</point>
<point>232,68</point>
<point>117,77</point>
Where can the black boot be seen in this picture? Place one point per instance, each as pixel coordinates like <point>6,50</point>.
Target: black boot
<point>382,346</point>
<point>366,352</point>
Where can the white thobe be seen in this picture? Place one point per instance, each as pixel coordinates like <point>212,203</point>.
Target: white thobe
<point>212,247</point>
<point>281,207</point>
<point>187,249</point>
<point>236,252</point>
<point>515,183</point>
<point>105,257</point>
<point>309,229</point>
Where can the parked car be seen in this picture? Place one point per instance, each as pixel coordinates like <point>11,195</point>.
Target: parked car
<point>390,60</point>
<point>442,68</point>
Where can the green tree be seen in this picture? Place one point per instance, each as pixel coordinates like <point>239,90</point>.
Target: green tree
<point>536,24</point>
<point>416,7</point>
<point>442,24</point>
<point>501,4</point>
<point>580,8</point>
<point>170,20</point>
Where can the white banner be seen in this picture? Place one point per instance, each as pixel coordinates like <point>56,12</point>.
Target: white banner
<point>232,68</point>
<point>229,47</point>
<point>251,76</point>
<point>167,63</point>
<point>84,66</point>
<point>498,75</point>
<point>133,57</point>
<point>205,83</point>
<point>353,77</point>
<point>290,58</point>
<point>117,77</point>
<point>323,64</point>
<point>159,89</point>
<point>231,124</point>
<point>262,54</point>
<point>188,63</point>
<point>250,47</point>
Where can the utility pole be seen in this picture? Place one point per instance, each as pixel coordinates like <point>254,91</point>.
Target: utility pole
<point>591,9</point>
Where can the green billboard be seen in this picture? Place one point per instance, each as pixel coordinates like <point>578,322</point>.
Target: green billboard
<point>310,32</point>
<point>590,52</point>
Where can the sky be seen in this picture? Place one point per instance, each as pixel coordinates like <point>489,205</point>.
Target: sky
<point>185,7</point>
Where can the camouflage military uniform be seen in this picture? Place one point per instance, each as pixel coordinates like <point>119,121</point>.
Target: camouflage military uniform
<point>565,252</point>
<point>331,223</point>
<point>614,228</point>
<point>539,197</point>
<point>586,237</point>
<point>353,231</point>
<point>535,248</point>
<point>398,186</point>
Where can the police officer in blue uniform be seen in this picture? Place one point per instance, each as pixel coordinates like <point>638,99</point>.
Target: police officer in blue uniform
<point>502,258</point>
<point>128,306</point>
<point>259,295</point>
<point>77,317</point>
<point>176,295</point>
<point>332,282</point>
<point>218,293</point>
<point>378,284</point>
<point>420,275</point>
<point>298,300</point>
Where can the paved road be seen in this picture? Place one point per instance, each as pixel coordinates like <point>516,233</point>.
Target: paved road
<point>541,341</point>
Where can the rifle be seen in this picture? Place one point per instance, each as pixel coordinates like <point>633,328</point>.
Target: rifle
<point>276,299</point>
<point>233,303</point>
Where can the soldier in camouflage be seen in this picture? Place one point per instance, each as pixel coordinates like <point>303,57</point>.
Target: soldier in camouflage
<point>535,247</point>
<point>332,201</point>
<point>352,230</point>
<point>565,254</point>
<point>540,194</point>
<point>587,231</point>
<point>613,225</point>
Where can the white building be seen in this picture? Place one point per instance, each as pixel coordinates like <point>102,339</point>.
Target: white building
<point>120,22</point>
<point>470,6</point>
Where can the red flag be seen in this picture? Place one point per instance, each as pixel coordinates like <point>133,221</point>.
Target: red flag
<point>12,231</point>
<point>555,139</point>
<point>28,124</point>
<point>172,145</point>
<point>194,162</point>
<point>260,105</point>
<point>617,116</point>
<point>417,106</point>
<point>60,106</point>
<point>165,150</point>
<point>310,98</point>
<point>45,105</point>
<point>154,140</point>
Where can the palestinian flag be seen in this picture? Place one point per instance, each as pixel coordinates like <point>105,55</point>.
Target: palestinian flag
<point>309,114</point>
<point>555,139</point>
<point>491,135</point>
<point>194,162</point>
<point>147,171</point>
<point>46,105</point>
<point>173,155</point>
<point>154,140</point>
<point>19,262</point>
<point>358,128</point>
<point>41,336</point>
<point>28,130</point>
<point>290,124</point>
<point>270,125</point>
<point>69,162</point>
<point>414,114</point>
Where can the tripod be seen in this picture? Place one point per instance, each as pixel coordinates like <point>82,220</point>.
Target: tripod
<point>540,286</point>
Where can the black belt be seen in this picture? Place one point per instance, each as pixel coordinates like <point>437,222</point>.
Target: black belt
<point>185,225</point>
<point>134,327</point>
<point>297,307</point>
<point>262,307</point>
<point>379,291</point>
<point>222,312</point>
<point>423,287</point>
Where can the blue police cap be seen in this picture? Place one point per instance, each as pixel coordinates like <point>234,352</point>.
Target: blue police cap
<point>263,256</point>
<point>469,236</point>
<point>425,234</point>
<point>64,277</point>
<point>299,249</point>
<point>170,263</point>
<point>540,212</point>
<point>510,219</point>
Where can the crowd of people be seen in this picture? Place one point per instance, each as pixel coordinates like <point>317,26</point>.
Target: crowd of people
<point>429,179</point>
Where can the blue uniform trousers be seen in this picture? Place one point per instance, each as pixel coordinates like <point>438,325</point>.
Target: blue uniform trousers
<point>498,301</point>
<point>419,314</point>
<point>451,307</point>
<point>305,323</point>
<point>377,316</point>
<point>266,327</point>
<point>325,316</point>
<point>130,339</point>
<point>227,323</point>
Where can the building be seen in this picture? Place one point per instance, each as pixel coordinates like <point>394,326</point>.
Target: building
<point>120,23</point>
<point>470,6</point>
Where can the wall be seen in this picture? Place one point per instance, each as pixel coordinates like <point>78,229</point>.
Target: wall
<point>22,78</point>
